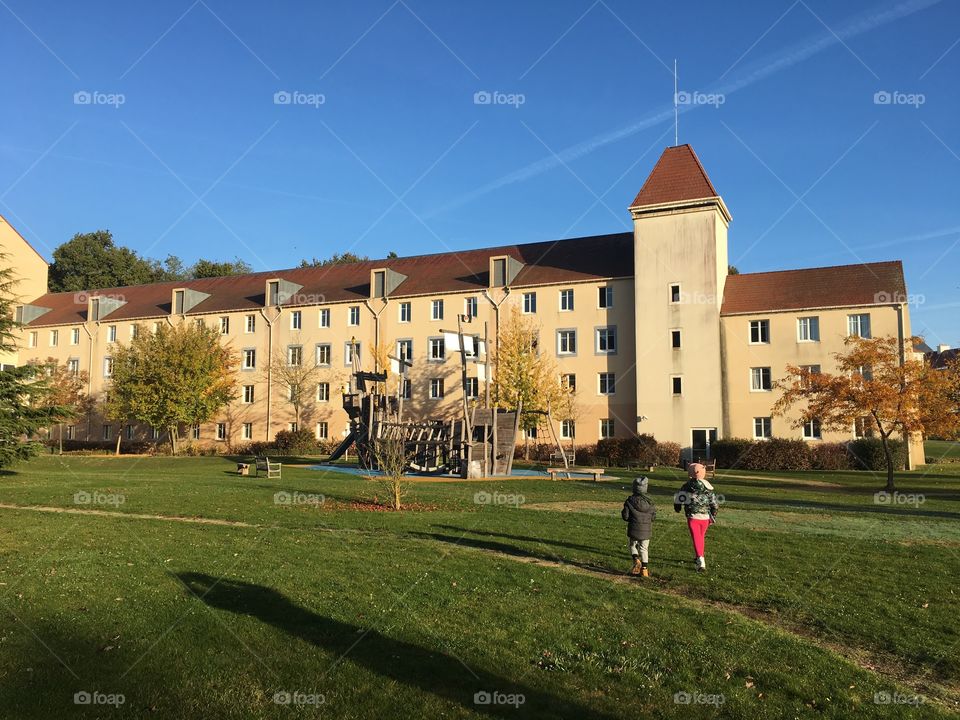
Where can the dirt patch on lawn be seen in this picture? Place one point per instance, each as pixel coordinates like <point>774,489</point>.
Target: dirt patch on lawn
<point>587,507</point>
<point>115,514</point>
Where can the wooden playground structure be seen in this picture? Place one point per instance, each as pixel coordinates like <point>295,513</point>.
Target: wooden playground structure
<point>479,443</point>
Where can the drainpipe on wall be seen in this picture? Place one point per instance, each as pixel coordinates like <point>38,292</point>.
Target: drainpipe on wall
<point>376,329</point>
<point>496,324</point>
<point>900,335</point>
<point>90,336</point>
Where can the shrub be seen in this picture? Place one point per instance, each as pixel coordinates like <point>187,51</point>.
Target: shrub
<point>295,442</point>
<point>867,454</point>
<point>775,454</point>
<point>668,454</point>
<point>830,456</point>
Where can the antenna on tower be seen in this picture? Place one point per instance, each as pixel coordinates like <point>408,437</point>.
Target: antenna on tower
<point>676,109</point>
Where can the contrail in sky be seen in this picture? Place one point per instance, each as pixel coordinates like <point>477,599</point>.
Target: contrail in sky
<point>760,70</point>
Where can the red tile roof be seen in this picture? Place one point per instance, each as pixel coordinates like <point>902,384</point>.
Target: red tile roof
<point>941,358</point>
<point>677,176</point>
<point>573,260</point>
<point>841,286</point>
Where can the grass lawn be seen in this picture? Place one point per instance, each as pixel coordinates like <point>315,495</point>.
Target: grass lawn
<point>942,449</point>
<point>821,599</point>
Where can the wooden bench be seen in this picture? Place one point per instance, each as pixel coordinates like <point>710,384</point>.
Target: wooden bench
<point>710,468</point>
<point>272,469</point>
<point>243,468</point>
<point>558,457</point>
<point>596,472</point>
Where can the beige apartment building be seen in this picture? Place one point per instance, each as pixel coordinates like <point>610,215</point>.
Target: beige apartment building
<point>648,325</point>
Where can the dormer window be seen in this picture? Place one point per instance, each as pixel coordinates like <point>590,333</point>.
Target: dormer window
<point>278,291</point>
<point>499,272</point>
<point>274,292</point>
<point>504,270</point>
<point>384,281</point>
<point>380,283</point>
<point>178,296</point>
<point>184,300</point>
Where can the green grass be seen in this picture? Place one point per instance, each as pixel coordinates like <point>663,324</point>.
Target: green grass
<point>942,449</point>
<point>410,614</point>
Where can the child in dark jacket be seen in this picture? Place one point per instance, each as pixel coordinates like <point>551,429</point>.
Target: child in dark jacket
<point>639,512</point>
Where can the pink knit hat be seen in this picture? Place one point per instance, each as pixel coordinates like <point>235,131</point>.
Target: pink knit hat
<point>696,470</point>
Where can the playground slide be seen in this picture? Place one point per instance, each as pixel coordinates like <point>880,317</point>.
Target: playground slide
<point>342,447</point>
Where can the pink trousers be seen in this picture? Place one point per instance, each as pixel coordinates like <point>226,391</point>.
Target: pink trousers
<point>698,531</point>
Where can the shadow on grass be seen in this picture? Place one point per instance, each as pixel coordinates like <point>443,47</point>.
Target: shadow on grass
<point>415,666</point>
<point>773,503</point>
<point>521,538</point>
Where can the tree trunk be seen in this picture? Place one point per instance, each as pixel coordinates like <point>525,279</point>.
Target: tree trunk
<point>173,439</point>
<point>119,435</point>
<point>61,438</point>
<point>889,458</point>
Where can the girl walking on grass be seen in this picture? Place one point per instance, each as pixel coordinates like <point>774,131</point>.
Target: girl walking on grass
<point>699,502</point>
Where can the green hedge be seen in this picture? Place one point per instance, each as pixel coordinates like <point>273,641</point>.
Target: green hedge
<point>867,454</point>
<point>777,454</point>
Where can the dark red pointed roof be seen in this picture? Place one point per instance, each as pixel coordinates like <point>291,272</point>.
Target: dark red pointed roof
<point>678,176</point>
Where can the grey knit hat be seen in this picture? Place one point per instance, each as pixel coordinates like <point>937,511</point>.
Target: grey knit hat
<point>641,484</point>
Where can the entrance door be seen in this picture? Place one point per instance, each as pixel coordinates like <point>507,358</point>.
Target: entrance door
<point>702,439</point>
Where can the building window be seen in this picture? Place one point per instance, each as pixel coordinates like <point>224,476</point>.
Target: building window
<point>566,342</point>
<point>472,387</point>
<point>607,383</point>
<point>32,339</point>
<point>808,329</point>
<point>607,340</point>
<point>225,326</point>
<point>436,388</point>
<point>111,333</point>
<point>195,432</point>
<point>606,297</point>
<point>762,428</point>
<point>294,355</point>
<point>323,430</point>
<point>606,428</point>
<point>251,324</point>
<point>405,312</point>
<point>221,431</point>
<point>73,366</point>
<point>405,386</point>
<point>437,350</point>
<point>296,320</point>
<point>154,434</point>
<point>155,328</point>
<point>248,394</point>
<point>54,337</point>
<point>676,384</point>
<point>675,339</point>
<point>75,336</point>
<point>759,332</point>
<point>436,309</point>
<point>405,349</point>
<point>353,316</point>
<point>323,354</point>
<point>351,350</point>
<point>134,332</point>
<point>470,306</point>
<point>675,294</point>
<point>529,302</point>
<point>273,289</point>
<point>865,372</point>
<point>249,359</point>
<point>107,432</point>
<point>568,429</point>
<point>760,379</point>
<point>71,431</point>
<point>569,381</point>
<point>323,392</point>
<point>858,325</point>
<point>108,367</point>
<point>811,429</point>
<point>247,432</point>
<point>325,318</point>
<point>863,427</point>
<point>531,433</point>
<point>566,300</point>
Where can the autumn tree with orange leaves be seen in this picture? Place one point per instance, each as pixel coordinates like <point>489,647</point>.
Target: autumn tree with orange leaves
<point>880,380</point>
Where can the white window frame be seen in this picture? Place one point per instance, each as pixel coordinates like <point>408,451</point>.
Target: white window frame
<point>111,333</point>
<point>679,293</point>
<point>250,324</point>
<point>611,383</point>
<point>225,325</point>
<point>673,390</point>
<point>248,359</point>
<point>611,332</point>
<point>329,353</point>
<point>762,328</point>
<point>54,338</point>
<point>856,323</point>
<point>530,303</point>
<point>566,300</point>
<point>322,430</point>
<point>808,329</point>
<point>812,430</point>
<point>294,352</point>
<point>296,320</point>
<point>323,392</point>
<point>353,316</point>
<point>323,318</point>
<point>566,333</point>
<point>436,389</point>
<point>433,343</point>
<point>607,302</point>
<point>405,312</point>
<point>757,373</point>
<point>607,428</point>
<point>75,336</point>
<point>471,306</point>
<point>762,428</point>
<point>221,431</point>
<point>568,429</point>
<point>247,431</point>
<point>678,332</point>
<point>108,366</point>
<point>436,309</point>
<point>249,394</point>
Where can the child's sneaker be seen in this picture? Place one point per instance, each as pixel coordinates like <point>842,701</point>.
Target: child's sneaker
<point>635,570</point>
<point>701,564</point>
<point>644,572</point>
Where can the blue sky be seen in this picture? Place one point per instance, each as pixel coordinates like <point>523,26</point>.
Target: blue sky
<point>385,148</point>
